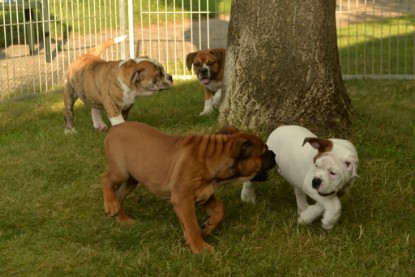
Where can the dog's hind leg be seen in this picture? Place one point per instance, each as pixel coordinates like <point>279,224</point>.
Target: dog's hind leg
<point>216,212</point>
<point>69,98</point>
<point>111,203</point>
<point>122,191</point>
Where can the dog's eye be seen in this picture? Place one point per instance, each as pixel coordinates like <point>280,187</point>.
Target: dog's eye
<point>196,64</point>
<point>209,63</point>
<point>332,173</point>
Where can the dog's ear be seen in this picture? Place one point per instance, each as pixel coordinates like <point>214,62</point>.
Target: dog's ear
<point>189,59</point>
<point>138,76</point>
<point>219,53</point>
<point>322,145</point>
<point>352,168</point>
<point>242,148</point>
<point>227,130</point>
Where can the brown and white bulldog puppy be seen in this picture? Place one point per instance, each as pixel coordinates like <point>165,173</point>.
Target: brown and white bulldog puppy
<point>183,169</point>
<point>209,66</point>
<point>110,85</point>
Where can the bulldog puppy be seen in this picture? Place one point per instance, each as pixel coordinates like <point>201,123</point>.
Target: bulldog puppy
<point>182,169</point>
<point>323,169</point>
<point>111,86</point>
<point>209,65</point>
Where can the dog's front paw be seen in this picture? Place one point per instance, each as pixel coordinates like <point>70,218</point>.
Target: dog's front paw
<point>111,208</point>
<point>248,193</point>
<point>70,131</point>
<point>206,111</point>
<point>306,217</point>
<point>101,127</point>
<point>248,196</point>
<point>204,247</point>
<point>327,226</point>
<point>328,223</point>
<point>303,220</point>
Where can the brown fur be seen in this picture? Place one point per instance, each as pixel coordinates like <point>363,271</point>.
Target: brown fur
<point>110,85</point>
<point>322,145</point>
<point>214,58</point>
<point>183,169</point>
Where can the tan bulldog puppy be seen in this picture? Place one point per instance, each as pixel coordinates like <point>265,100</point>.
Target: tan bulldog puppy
<point>183,169</point>
<point>110,85</point>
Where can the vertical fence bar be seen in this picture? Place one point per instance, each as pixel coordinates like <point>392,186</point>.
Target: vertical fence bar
<point>131,28</point>
<point>122,26</point>
<point>175,35</point>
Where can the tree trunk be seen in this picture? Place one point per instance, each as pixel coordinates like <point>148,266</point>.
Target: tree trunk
<point>282,67</point>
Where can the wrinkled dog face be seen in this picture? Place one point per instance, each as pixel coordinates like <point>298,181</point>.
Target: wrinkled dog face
<point>332,174</point>
<point>145,76</point>
<point>253,159</point>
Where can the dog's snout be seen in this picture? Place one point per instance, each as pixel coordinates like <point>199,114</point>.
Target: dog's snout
<point>269,160</point>
<point>203,71</point>
<point>170,78</point>
<point>316,183</point>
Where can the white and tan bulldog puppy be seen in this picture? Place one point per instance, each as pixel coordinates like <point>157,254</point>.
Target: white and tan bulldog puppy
<point>209,66</point>
<point>323,169</point>
<point>110,85</point>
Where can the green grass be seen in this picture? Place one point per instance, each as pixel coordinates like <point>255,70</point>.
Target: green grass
<point>52,221</point>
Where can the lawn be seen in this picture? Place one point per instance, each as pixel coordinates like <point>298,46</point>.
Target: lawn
<point>52,221</point>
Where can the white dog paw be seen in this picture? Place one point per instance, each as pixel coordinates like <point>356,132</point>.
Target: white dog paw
<point>206,111</point>
<point>303,221</point>
<point>305,218</point>
<point>327,225</point>
<point>101,127</point>
<point>248,193</point>
<point>70,131</point>
<point>248,197</point>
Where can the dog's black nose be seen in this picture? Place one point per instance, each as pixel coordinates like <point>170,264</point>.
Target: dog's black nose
<point>269,160</point>
<point>170,78</point>
<point>316,183</point>
<point>203,71</point>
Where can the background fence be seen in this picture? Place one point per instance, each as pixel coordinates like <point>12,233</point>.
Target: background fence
<point>40,38</point>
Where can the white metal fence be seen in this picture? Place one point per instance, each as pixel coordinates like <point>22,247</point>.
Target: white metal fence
<point>40,38</point>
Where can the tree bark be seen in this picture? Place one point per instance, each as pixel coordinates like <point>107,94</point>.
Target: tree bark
<point>282,67</point>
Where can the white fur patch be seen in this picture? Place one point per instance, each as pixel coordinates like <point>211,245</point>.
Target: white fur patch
<point>208,107</point>
<point>216,98</point>
<point>248,192</point>
<point>129,95</point>
<point>116,120</point>
<point>99,124</point>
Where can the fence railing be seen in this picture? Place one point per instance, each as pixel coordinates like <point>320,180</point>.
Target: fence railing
<point>40,38</point>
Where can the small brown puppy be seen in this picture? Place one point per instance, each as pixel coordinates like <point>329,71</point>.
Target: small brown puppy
<point>111,86</point>
<point>183,169</point>
<point>209,66</point>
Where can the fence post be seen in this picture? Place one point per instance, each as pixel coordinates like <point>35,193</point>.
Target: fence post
<point>131,28</point>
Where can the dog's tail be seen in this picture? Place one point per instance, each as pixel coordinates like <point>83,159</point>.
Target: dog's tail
<point>98,50</point>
